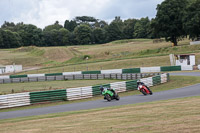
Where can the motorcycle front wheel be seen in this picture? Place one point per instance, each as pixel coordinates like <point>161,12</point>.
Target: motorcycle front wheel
<point>108,97</point>
<point>143,92</point>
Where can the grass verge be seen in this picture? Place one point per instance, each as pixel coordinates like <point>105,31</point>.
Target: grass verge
<point>177,115</point>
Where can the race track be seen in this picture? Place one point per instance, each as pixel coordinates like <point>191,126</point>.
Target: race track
<point>188,91</point>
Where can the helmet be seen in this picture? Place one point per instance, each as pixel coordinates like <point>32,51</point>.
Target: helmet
<point>101,88</point>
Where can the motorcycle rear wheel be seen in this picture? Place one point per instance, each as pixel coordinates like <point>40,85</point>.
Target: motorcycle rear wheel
<point>117,97</point>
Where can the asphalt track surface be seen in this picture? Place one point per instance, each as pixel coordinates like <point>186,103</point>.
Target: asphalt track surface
<point>193,90</point>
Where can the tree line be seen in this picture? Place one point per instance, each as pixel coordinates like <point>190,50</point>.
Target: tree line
<point>175,19</point>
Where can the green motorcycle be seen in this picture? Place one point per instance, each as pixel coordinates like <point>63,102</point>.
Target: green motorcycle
<point>109,94</point>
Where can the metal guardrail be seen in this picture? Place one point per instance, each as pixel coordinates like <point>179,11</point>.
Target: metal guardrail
<point>77,77</point>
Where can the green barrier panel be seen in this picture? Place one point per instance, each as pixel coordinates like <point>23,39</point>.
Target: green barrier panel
<point>45,96</point>
<point>170,68</point>
<point>131,85</point>
<point>53,74</point>
<point>91,72</point>
<point>175,68</point>
<point>131,70</point>
<point>156,80</point>
<point>18,76</point>
<point>96,90</point>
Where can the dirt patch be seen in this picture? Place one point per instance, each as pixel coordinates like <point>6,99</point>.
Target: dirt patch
<point>57,54</point>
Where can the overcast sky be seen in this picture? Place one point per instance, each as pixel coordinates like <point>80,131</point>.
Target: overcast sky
<point>45,12</point>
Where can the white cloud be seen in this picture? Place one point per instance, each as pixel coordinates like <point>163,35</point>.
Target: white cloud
<point>45,12</point>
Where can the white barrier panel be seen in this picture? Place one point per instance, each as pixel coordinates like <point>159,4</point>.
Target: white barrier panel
<point>14,100</point>
<point>163,78</point>
<point>149,69</point>
<point>4,77</point>
<point>184,68</point>
<point>111,71</point>
<point>119,86</point>
<point>35,75</point>
<point>79,93</point>
<point>147,81</point>
<point>86,92</point>
<point>72,73</point>
<point>73,93</point>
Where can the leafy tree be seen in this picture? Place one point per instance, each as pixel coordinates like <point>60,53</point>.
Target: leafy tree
<point>168,21</point>
<point>91,21</point>
<point>85,19</point>
<point>142,28</point>
<point>83,34</point>
<point>100,24</point>
<point>52,38</point>
<point>115,30</point>
<point>10,39</point>
<point>8,26</point>
<point>30,34</point>
<point>129,28</point>
<point>1,39</point>
<point>64,36</point>
<point>11,26</point>
<point>191,21</point>
<point>72,39</point>
<point>99,35</point>
<point>55,26</point>
<point>70,25</point>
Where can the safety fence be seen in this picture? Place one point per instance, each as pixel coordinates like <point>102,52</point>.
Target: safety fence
<point>29,98</point>
<point>88,74</point>
<point>76,77</point>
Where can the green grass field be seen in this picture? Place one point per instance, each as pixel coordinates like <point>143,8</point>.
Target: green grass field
<point>118,54</point>
<point>177,115</point>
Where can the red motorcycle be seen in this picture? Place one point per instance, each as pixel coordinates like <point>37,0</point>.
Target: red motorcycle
<point>143,88</point>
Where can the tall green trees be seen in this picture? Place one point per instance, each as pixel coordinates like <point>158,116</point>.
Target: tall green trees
<point>129,28</point>
<point>9,39</point>
<point>83,34</point>
<point>142,28</point>
<point>168,21</point>
<point>70,25</point>
<point>191,21</point>
<point>99,35</point>
<point>55,35</point>
<point>115,30</point>
<point>55,26</point>
<point>30,34</point>
<point>64,35</point>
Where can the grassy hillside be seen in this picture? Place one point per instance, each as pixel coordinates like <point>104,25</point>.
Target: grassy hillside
<point>117,54</point>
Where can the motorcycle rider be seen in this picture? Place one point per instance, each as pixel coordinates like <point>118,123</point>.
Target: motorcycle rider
<point>141,83</point>
<point>102,88</point>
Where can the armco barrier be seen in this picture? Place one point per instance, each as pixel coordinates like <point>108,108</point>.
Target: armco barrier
<point>112,71</point>
<point>14,100</point>
<point>58,76</point>
<point>22,99</point>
